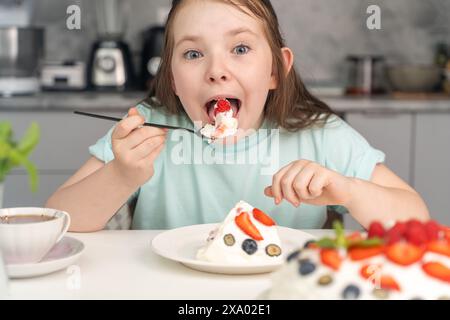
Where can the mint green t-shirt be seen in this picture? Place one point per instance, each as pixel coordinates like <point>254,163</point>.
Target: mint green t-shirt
<point>196,182</point>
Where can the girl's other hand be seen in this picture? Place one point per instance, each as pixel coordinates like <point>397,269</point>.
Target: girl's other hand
<point>308,182</point>
<point>135,148</point>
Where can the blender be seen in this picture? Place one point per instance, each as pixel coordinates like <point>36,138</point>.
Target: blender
<point>110,64</point>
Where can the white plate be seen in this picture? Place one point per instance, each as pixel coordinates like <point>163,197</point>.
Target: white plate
<point>62,255</point>
<point>181,245</point>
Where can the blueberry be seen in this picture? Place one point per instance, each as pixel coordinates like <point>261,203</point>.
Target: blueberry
<point>293,255</point>
<point>307,243</point>
<point>306,267</point>
<point>351,292</point>
<point>249,246</point>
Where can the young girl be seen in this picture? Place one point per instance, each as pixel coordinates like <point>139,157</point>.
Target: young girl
<point>232,49</point>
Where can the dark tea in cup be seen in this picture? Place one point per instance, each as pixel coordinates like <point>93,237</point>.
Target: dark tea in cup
<point>20,219</point>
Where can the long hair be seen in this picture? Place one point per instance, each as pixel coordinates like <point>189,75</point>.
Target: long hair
<point>290,105</point>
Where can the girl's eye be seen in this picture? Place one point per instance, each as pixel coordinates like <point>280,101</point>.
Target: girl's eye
<point>192,54</point>
<point>241,49</point>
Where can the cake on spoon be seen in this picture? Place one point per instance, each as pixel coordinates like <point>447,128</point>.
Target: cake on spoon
<point>225,123</point>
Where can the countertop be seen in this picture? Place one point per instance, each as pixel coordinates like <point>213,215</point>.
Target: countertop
<point>115,101</point>
<point>122,265</point>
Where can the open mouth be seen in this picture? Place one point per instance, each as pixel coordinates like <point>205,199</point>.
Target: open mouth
<point>235,106</point>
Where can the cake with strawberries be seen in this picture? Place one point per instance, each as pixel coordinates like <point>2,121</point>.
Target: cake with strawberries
<point>410,260</point>
<point>225,123</point>
<point>246,236</point>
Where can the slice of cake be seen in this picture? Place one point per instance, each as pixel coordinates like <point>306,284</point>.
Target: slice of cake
<point>225,124</point>
<point>246,236</point>
<point>410,260</point>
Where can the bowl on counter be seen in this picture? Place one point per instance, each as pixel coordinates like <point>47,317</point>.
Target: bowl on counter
<point>414,78</point>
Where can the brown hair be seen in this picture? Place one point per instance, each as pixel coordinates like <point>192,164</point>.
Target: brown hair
<point>290,105</point>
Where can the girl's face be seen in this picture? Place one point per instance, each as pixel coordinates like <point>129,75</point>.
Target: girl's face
<point>221,52</point>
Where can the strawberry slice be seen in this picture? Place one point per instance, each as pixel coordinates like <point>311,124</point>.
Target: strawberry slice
<point>446,231</point>
<point>389,283</point>
<point>432,229</point>
<point>437,270</point>
<point>404,253</point>
<point>369,270</point>
<point>414,223</point>
<point>331,258</point>
<point>361,253</point>
<point>440,246</point>
<point>222,106</point>
<point>376,229</point>
<point>246,225</point>
<point>416,233</point>
<point>386,282</point>
<point>263,218</point>
<point>396,233</point>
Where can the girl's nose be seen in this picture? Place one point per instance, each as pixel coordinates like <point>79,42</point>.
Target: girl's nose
<point>217,72</point>
<point>217,78</point>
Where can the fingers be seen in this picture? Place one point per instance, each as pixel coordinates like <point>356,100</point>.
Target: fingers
<point>319,181</point>
<point>154,154</point>
<point>144,149</point>
<point>268,192</point>
<point>128,124</point>
<point>138,136</point>
<point>276,183</point>
<point>299,181</point>
<point>133,112</point>
<point>287,183</point>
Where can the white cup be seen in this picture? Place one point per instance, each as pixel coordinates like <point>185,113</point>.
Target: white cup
<point>4,289</point>
<point>30,241</point>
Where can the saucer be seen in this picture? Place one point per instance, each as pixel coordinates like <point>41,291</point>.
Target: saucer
<point>62,255</point>
<point>181,245</point>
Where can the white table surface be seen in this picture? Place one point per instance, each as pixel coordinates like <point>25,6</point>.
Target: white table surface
<point>122,265</point>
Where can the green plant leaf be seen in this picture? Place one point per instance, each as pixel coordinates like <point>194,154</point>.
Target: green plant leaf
<point>5,164</point>
<point>326,243</point>
<point>17,157</point>
<point>14,154</point>
<point>341,240</point>
<point>5,131</point>
<point>33,177</point>
<point>370,242</point>
<point>29,140</point>
<point>5,148</point>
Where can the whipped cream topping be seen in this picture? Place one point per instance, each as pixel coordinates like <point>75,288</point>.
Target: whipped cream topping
<point>229,244</point>
<point>289,283</point>
<point>224,124</point>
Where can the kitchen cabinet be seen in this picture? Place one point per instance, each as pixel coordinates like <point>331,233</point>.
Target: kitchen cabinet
<point>416,147</point>
<point>63,148</point>
<point>18,193</point>
<point>432,163</point>
<point>391,133</point>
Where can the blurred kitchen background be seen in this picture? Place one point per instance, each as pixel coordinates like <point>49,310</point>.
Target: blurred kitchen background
<point>392,84</point>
